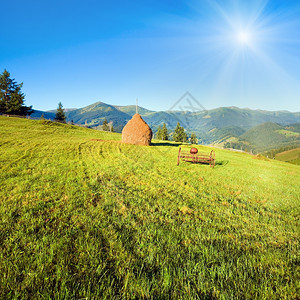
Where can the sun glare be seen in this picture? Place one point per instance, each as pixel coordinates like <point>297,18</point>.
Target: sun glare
<point>244,37</point>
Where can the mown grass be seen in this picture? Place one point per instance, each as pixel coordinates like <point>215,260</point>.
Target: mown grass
<point>291,156</point>
<point>82,218</point>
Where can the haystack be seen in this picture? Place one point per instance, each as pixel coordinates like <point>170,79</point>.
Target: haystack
<point>137,132</point>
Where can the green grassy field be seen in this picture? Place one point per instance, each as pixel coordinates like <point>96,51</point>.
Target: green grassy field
<point>288,133</point>
<point>291,156</point>
<point>98,219</point>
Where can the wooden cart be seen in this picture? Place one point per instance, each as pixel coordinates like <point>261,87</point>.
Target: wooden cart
<point>196,157</point>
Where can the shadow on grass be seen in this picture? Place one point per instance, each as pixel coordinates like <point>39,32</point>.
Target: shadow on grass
<point>165,144</point>
<point>221,163</point>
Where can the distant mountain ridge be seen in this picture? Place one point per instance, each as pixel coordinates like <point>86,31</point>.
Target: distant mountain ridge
<point>265,137</point>
<point>217,125</point>
<point>131,109</point>
<point>39,113</point>
<point>272,135</point>
<point>93,115</point>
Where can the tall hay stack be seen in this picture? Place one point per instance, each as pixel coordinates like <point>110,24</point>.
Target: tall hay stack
<point>137,132</point>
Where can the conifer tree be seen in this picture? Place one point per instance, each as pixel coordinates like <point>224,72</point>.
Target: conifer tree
<point>164,133</point>
<point>60,114</point>
<point>105,126</point>
<point>193,139</point>
<point>11,97</point>
<point>159,133</point>
<point>179,134</point>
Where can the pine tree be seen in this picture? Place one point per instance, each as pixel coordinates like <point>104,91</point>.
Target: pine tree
<point>179,134</point>
<point>11,97</point>
<point>159,133</point>
<point>193,139</point>
<point>112,128</point>
<point>60,114</point>
<point>105,126</point>
<point>42,117</point>
<point>164,133</point>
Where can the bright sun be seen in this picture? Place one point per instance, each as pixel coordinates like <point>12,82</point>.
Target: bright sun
<point>244,37</point>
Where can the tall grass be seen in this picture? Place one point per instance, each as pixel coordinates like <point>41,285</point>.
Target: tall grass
<point>85,216</point>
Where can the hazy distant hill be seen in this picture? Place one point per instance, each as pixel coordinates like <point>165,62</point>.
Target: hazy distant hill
<point>222,134</point>
<point>216,125</point>
<point>293,127</point>
<point>244,118</point>
<point>266,136</point>
<point>131,110</point>
<point>219,126</point>
<point>93,115</point>
<point>270,135</point>
<point>65,110</point>
<point>221,117</point>
<point>47,114</point>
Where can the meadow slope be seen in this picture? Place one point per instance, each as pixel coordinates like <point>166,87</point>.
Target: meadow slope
<point>291,156</point>
<point>88,218</point>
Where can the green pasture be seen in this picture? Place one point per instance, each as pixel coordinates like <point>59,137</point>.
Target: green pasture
<point>291,156</point>
<point>83,216</point>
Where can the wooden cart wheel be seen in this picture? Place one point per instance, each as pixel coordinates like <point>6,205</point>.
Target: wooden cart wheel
<point>178,159</point>
<point>213,158</point>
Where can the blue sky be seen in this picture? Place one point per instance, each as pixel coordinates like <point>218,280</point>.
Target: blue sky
<point>225,53</point>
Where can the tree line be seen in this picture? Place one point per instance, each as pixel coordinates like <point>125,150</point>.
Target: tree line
<point>272,153</point>
<point>179,134</point>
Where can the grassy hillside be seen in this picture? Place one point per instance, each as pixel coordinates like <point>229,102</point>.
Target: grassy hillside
<point>293,127</point>
<point>291,156</point>
<point>85,216</point>
<point>220,135</point>
<point>270,135</point>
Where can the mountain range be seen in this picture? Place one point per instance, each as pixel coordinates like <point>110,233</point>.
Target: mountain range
<point>258,129</point>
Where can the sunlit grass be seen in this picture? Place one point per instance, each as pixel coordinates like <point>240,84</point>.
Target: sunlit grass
<point>289,156</point>
<point>88,218</point>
